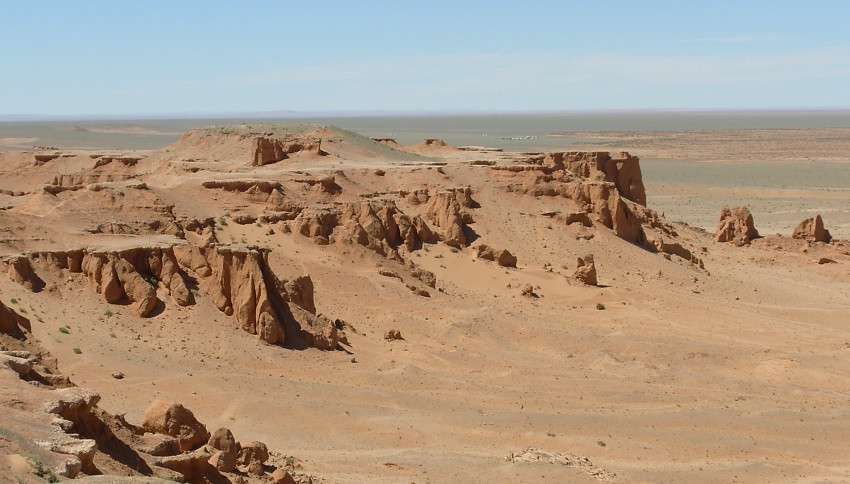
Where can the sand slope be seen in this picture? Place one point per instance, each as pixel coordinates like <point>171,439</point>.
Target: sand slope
<point>690,361</point>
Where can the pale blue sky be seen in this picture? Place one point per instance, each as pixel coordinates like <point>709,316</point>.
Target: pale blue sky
<point>117,57</point>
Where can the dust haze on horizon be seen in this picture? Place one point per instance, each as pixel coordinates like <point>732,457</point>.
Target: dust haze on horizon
<point>103,59</point>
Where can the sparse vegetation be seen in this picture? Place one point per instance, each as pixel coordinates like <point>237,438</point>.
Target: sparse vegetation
<point>550,434</point>
<point>108,313</point>
<point>78,351</point>
<point>14,301</point>
<point>455,250</point>
<point>64,330</point>
<point>153,281</point>
<point>600,443</point>
<point>40,471</point>
<point>222,222</point>
<point>600,306</point>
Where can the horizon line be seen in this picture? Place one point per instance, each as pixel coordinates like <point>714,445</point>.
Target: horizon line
<point>286,114</point>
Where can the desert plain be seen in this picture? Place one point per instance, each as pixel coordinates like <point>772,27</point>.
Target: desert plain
<point>381,310</point>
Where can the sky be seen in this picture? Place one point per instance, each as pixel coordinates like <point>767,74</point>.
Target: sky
<point>325,56</point>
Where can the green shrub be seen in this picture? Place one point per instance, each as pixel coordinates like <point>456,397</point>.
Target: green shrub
<point>64,330</point>
<point>78,351</point>
<point>600,306</point>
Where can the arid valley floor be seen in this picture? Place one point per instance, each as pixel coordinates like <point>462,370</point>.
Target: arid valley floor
<point>382,312</point>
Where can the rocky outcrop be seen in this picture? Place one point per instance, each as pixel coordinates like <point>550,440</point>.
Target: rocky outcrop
<point>299,291</point>
<point>736,226</point>
<point>257,191</point>
<point>43,158</point>
<point>447,211</point>
<point>601,199</point>
<point>376,224</point>
<point>193,466</point>
<point>621,169</point>
<point>310,329</point>
<point>131,274</point>
<point>74,408</point>
<point>326,184</point>
<point>502,257</point>
<point>20,269</point>
<point>812,230</point>
<point>586,270</point>
<point>267,150</point>
<point>674,248</point>
<point>237,280</point>
<point>177,421</point>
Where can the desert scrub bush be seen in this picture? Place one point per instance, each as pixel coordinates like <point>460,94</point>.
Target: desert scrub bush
<point>64,330</point>
<point>455,250</point>
<point>600,306</point>
<point>108,313</point>
<point>13,301</point>
<point>78,351</point>
<point>152,281</point>
<point>222,222</point>
<point>40,471</point>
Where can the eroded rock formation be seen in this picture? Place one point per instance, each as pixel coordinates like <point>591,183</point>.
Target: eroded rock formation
<point>177,421</point>
<point>736,226</point>
<point>586,270</point>
<point>267,150</point>
<point>621,169</point>
<point>812,229</point>
<point>237,280</point>
<point>502,257</point>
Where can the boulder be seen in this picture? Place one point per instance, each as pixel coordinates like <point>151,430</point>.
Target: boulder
<point>736,226</point>
<point>253,452</point>
<point>177,421</point>
<point>159,445</point>
<point>281,476</point>
<point>586,270</point>
<point>194,466</point>
<point>223,461</point>
<point>502,257</point>
<point>812,230</point>
<point>228,450</point>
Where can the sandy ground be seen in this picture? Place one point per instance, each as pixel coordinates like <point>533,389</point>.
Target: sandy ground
<point>735,373</point>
